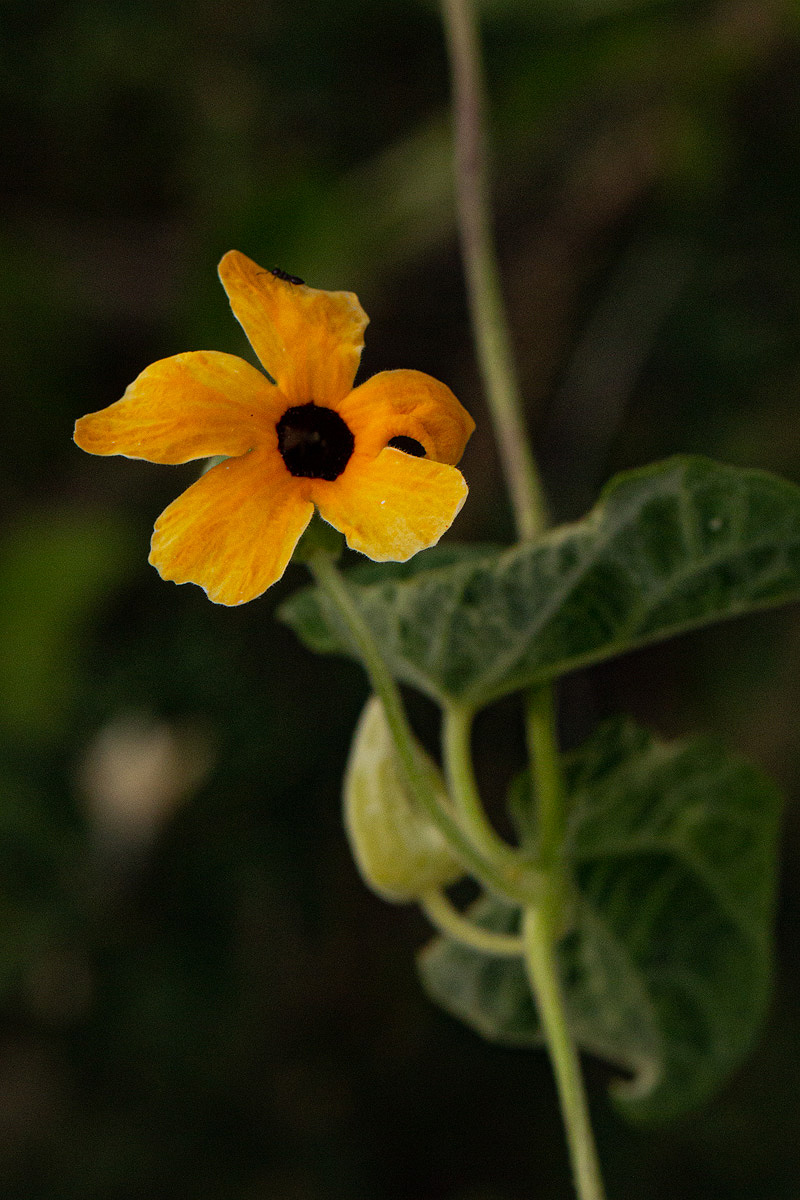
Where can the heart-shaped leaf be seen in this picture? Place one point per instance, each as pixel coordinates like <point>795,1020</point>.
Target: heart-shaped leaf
<point>668,548</point>
<point>666,970</point>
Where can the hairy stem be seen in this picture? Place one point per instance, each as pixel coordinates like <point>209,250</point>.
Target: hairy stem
<point>540,959</point>
<point>487,311</point>
<point>543,919</point>
<point>447,918</point>
<point>542,927</point>
<point>488,871</point>
<point>542,739</point>
<point>457,754</point>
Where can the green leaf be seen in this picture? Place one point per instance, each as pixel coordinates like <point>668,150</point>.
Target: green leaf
<point>316,623</point>
<point>398,850</point>
<point>668,548</point>
<point>666,969</point>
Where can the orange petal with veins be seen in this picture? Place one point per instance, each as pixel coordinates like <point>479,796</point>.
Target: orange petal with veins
<point>193,405</point>
<point>310,341</point>
<point>234,531</point>
<point>410,404</point>
<point>391,506</point>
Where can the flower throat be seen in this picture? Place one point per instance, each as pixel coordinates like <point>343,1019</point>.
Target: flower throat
<point>314,442</point>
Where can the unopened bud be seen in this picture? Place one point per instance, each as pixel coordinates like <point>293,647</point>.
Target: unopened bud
<point>397,847</point>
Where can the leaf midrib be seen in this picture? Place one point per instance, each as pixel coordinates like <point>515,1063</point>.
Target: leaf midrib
<point>625,640</point>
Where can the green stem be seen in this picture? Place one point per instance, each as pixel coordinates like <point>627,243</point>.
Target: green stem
<point>542,738</point>
<point>457,755</point>
<point>542,927</point>
<point>487,871</point>
<point>543,920</point>
<point>487,311</point>
<point>447,918</point>
<point>540,960</point>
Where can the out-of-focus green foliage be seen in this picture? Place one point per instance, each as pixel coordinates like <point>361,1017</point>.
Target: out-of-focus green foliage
<point>55,570</point>
<point>219,1007</point>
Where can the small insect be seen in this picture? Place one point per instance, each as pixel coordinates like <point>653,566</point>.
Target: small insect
<point>279,274</point>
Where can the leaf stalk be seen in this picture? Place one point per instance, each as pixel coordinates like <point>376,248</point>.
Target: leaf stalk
<point>449,921</point>
<point>460,775</point>
<point>487,870</point>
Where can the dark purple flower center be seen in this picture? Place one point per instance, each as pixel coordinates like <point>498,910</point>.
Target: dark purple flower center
<point>315,442</point>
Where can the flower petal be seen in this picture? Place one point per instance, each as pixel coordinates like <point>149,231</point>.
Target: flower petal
<point>234,531</point>
<point>189,406</point>
<point>391,506</point>
<point>309,341</point>
<point>410,404</point>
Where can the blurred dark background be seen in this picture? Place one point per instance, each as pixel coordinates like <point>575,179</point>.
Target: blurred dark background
<point>199,996</point>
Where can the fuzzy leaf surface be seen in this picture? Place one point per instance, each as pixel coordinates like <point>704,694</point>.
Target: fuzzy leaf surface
<point>669,548</point>
<point>666,970</point>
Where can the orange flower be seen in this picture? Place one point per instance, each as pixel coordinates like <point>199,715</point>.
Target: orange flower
<point>377,461</point>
